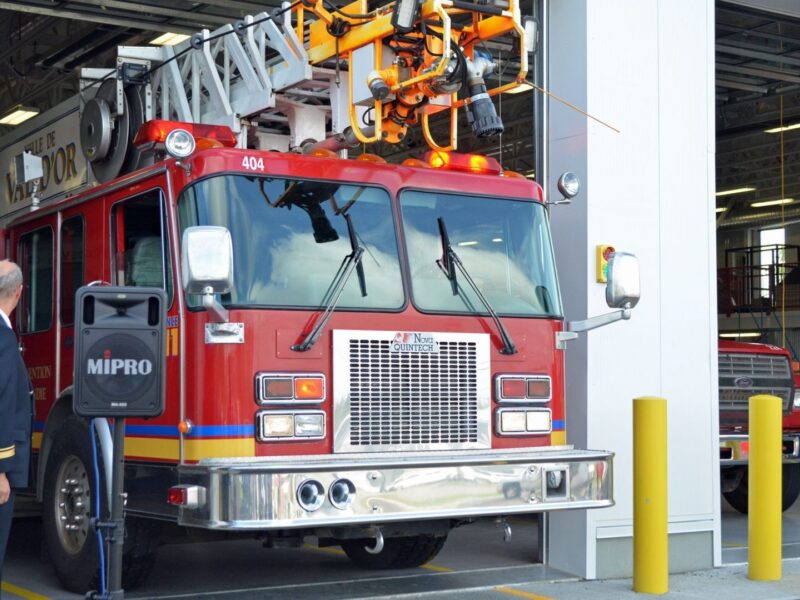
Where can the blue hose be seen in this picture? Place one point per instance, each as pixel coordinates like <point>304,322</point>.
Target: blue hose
<point>100,542</point>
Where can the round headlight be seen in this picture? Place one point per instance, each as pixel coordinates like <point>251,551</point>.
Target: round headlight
<point>179,143</point>
<point>568,184</point>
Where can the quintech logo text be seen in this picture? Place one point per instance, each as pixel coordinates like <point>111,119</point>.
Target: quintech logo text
<point>413,342</point>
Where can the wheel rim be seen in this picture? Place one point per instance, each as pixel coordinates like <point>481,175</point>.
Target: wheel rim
<point>73,504</point>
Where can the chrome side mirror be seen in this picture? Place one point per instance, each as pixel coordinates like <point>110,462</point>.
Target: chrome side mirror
<point>207,260</point>
<point>207,265</point>
<point>622,289</point>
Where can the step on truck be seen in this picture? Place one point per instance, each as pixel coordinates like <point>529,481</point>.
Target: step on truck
<point>367,353</point>
<point>745,370</point>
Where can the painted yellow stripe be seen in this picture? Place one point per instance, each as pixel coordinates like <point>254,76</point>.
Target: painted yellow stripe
<point>521,594</point>
<point>437,568</point>
<point>8,452</point>
<point>167,449</point>
<point>220,448</point>
<point>335,551</point>
<point>163,449</point>
<point>21,592</point>
<point>558,438</point>
<point>36,440</point>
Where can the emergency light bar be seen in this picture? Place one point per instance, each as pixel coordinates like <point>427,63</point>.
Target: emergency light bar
<point>469,163</point>
<point>172,136</point>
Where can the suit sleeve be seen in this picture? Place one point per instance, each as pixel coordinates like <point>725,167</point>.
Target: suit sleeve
<point>8,386</point>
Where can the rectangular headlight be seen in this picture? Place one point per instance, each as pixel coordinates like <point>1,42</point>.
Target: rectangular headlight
<point>309,424</point>
<point>282,426</point>
<point>277,425</point>
<point>523,421</point>
<point>796,403</point>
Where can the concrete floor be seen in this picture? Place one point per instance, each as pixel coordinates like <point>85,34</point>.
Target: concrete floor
<point>476,563</point>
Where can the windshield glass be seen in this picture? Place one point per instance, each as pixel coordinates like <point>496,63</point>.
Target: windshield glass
<point>504,245</point>
<point>290,239</point>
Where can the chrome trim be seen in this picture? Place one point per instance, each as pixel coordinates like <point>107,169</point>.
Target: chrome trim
<point>262,495</point>
<point>286,400</point>
<point>260,425</point>
<point>224,333</point>
<point>525,410</point>
<point>498,380</point>
<point>409,394</point>
<point>734,442</point>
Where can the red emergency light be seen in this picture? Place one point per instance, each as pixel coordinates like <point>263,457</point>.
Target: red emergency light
<point>469,163</point>
<point>152,135</point>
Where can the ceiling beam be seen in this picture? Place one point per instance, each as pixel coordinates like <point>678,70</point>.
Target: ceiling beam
<point>765,56</point>
<point>95,18</point>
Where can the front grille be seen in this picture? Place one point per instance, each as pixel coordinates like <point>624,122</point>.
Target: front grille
<point>755,365</point>
<point>410,400</point>
<point>744,375</point>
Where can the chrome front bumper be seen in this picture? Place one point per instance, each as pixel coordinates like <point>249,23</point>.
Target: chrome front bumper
<point>734,450</point>
<point>262,494</point>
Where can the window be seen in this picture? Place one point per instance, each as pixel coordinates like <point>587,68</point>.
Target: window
<point>290,239</point>
<point>35,252</point>
<point>772,258</point>
<point>141,252</point>
<point>503,244</point>
<point>72,266</point>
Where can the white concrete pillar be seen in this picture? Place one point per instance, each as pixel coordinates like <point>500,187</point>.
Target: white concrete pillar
<point>646,67</point>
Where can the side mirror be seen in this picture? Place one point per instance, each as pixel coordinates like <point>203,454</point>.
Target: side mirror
<point>623,290</point>
<point>207,260</point>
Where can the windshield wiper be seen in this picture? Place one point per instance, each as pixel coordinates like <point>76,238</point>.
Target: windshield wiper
<point>448,264</point>
<point>351,262</point>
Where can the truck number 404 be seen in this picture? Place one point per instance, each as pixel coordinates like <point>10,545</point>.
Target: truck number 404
<point>252,163</point>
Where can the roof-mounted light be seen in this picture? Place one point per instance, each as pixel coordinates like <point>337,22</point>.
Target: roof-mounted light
<point>179,143</point>
<point>470,163</point>
<point>174,137</point>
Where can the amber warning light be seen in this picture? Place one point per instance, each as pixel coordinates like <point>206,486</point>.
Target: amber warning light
<point>470,163</point>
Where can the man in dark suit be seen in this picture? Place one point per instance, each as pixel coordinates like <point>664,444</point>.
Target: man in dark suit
<point>16,408</point>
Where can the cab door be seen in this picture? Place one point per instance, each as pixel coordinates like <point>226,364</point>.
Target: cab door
<point>34,251</point>
<point>141,257</point>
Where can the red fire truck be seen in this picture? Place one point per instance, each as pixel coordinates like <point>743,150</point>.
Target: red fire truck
<point>747,369</point>
<point>368,353</point>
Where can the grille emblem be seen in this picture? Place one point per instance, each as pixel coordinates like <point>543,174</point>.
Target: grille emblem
<point>743,382</point>
<point>413,342</point>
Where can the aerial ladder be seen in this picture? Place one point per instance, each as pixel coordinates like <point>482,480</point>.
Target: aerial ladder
<point>311,76</point>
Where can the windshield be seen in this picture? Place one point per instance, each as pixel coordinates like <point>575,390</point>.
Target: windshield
<point>290,238</point>
<point>504,245</point>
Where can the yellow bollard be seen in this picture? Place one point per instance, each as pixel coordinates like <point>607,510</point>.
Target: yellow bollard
<point>764,488</point>
<point>650,543</point>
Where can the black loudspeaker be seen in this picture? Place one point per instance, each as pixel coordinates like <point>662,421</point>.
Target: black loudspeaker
<point>119,351</point>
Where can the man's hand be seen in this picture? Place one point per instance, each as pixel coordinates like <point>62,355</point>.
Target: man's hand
<point>5,489</point>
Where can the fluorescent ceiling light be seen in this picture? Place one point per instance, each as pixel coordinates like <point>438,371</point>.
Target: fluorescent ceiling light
<point>169,39</point>
<point>740,190</point>
<point>741,334</point>
<point>721,209</point>
<point>772,202</point>
<point>470,243</point>
<point>497,240</point>
<point>784,128</point>
<point>18,115</point>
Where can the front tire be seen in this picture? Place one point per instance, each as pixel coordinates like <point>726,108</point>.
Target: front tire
<point>397,553</point>
<point>738,497</point>
<point>68,507</point>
